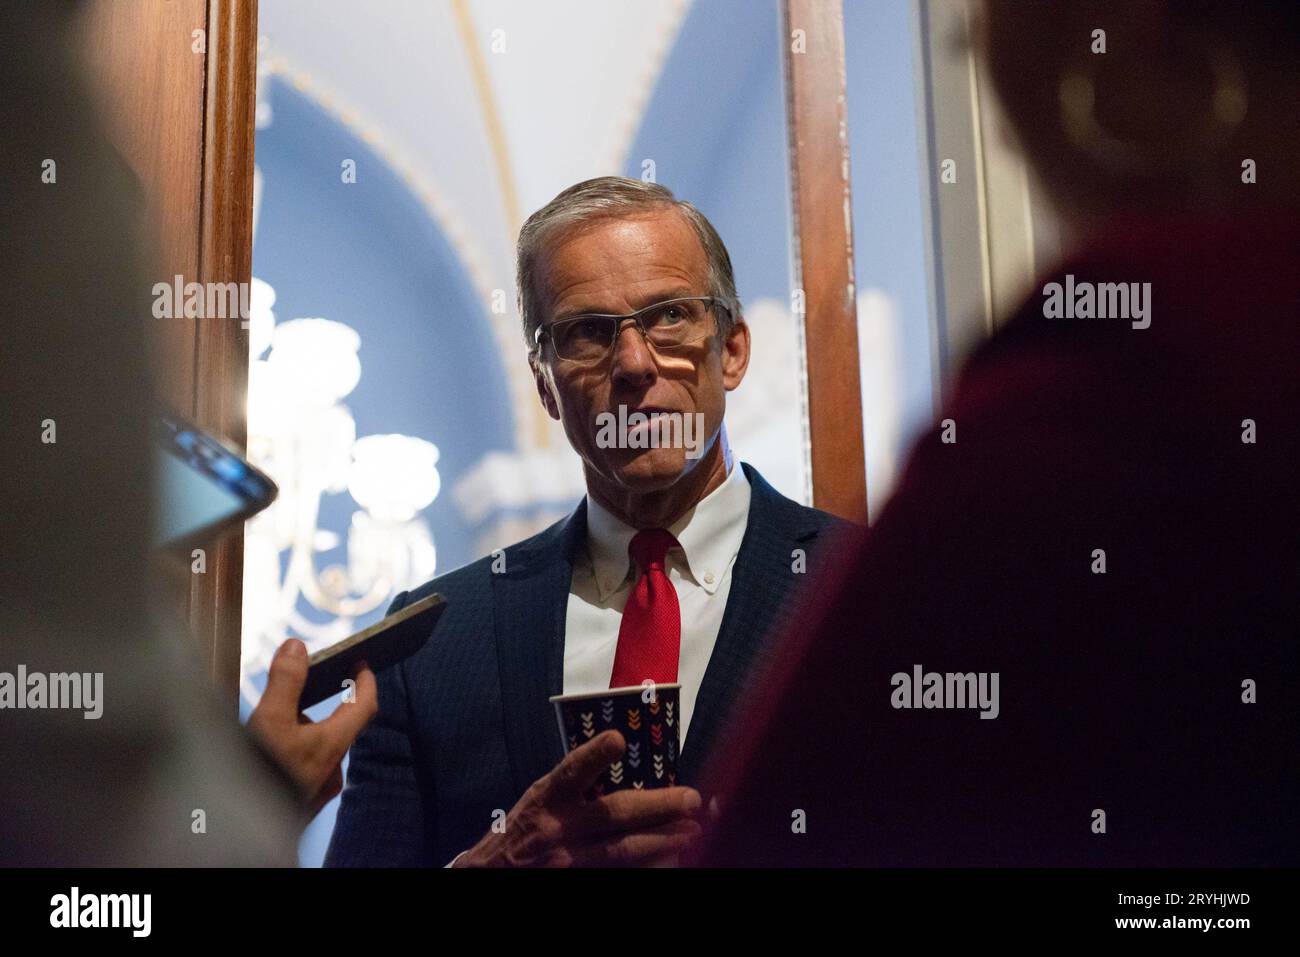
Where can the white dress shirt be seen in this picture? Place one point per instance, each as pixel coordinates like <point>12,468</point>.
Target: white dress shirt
<point>709,537</point>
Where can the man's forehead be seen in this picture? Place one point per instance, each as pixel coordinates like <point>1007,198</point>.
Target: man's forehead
<point>614,262</point>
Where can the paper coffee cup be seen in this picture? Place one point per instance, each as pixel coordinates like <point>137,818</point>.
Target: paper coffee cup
<point>649,718</point>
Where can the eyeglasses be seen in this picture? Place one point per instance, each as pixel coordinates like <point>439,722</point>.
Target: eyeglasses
<point>667,326</point>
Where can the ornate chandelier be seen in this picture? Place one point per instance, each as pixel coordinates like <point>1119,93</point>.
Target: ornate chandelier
<point>302,434</point>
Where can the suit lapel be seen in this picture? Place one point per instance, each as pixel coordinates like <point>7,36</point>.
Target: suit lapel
<point>761,581</point>
<point>530,608</point>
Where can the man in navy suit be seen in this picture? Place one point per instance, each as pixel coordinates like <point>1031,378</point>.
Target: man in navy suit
<point>676,566</point>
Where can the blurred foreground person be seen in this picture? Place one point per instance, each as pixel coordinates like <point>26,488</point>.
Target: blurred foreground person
<point>151,771</point>
<point>1072,636</point>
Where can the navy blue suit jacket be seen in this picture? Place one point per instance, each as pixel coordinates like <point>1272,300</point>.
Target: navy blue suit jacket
<point>464,725</point>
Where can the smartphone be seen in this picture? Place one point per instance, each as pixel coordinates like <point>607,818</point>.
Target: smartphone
<point>204,486</point>
<point>384,643</point>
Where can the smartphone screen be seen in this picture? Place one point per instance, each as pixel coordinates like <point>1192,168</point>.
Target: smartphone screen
<point>203,486</point>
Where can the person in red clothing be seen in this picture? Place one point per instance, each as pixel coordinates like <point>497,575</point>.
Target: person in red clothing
<point>1072,636</point>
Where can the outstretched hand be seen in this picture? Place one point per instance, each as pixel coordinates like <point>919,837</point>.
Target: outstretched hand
<point>311,752</point>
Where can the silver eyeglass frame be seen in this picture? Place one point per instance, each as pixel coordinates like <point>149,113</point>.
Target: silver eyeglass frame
<point>544,330</point>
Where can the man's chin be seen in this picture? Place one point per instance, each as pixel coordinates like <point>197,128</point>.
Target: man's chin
<point>651,470</point>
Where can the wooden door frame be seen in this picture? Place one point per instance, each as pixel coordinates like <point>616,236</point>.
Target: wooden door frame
<point>221,345</point>
<point>177,82</point>
<point>822,252</point>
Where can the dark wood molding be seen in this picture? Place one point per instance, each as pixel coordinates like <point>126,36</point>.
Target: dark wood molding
<point>183,116</point>
<point>148,84</point>
<point>822,251</point>
<point>221,346</point>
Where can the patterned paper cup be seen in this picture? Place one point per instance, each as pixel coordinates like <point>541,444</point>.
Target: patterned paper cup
<point>648,717</point>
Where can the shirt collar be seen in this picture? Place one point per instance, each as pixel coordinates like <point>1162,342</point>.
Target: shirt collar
<point>709,536</point>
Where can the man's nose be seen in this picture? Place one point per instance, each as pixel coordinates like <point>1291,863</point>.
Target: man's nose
<point>634,363</point>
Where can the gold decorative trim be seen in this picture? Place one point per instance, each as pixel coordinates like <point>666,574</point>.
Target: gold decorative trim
<point>493,126</point>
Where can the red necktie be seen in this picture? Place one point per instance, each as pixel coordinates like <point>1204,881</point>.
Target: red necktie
<point>650,636</point>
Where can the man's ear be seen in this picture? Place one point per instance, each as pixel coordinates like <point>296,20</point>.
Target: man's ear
<point>735,354</point>
<point>544,387</point>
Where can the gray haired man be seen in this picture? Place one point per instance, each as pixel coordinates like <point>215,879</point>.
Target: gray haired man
<point>674,568</point>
